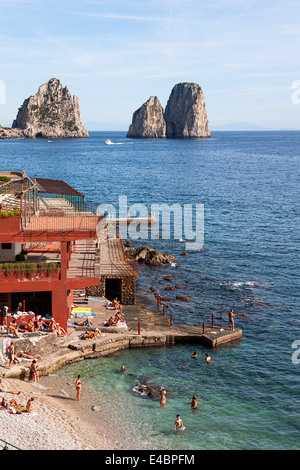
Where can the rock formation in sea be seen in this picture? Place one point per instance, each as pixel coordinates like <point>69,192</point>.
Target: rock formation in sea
<point>51,113</point>
<point>185,113</point>
<point>148,121</point>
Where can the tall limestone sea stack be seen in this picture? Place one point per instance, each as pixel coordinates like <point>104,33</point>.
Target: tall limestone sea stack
<point>51,113</point>
<point>185,115</point>
<point>148,121</point>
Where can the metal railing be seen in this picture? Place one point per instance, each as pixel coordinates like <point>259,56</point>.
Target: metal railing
<point>7,445</point>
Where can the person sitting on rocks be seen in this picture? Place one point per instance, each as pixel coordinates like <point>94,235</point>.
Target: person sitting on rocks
<point>30,406</point>
<point>59,330</point>
<point>110,322</point>
<point>30,326</point>
<point>14,403</point>
<point>52,326</point>
<point>4,402</point>
<point>119,317</point>
<point>16,333</point>
<point>115,302</point>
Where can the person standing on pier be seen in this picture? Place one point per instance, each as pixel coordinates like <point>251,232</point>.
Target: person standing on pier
<point>231,319</point>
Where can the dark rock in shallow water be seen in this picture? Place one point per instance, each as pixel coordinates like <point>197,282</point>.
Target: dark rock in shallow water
<point>182,297</point>
<point>151,390</point>
<point>149,256</point>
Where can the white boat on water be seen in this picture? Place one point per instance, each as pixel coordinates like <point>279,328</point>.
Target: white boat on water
<point>108,142</point>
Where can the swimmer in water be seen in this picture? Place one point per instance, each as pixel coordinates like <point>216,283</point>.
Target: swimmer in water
<point>163,398</point>
<point>194,354</point>
<point>207,357</point>
<point>194,403</point>
<point>123,368</point>
<point>178,423</point>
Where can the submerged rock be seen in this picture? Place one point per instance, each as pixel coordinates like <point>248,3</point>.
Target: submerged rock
<point>148,121</point>
<point>185,113</point>
<point>51,113</point>
<point>150,390</point>
<point>183,298</point>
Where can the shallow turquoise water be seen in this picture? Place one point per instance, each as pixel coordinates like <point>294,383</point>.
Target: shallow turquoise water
<point>248,413</point>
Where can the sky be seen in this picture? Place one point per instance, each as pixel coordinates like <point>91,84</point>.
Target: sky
<point>115,55</point>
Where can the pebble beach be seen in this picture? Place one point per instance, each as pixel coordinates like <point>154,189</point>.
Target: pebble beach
<point>59,421</point>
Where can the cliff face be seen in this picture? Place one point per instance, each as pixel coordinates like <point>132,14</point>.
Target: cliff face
<point>50,113</point>
<point>148,121</point>
<point>185,113</point>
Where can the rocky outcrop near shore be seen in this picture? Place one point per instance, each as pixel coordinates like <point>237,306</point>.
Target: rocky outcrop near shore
<point>8,133</point>
<point>185,113</point>
<point>51,113</point>
<point>147,255</point>
<point>148,121</point>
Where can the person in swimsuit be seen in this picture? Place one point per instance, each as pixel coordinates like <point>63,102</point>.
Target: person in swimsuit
<point>30,406</point>
<point>8,390</point>
<point>231,319</point>
<point>194,403</point>
<point>78,387</point>
<point>178,423</point>
<point>34,371</point>
<point>10,354</point>
<point>194,355</point>
<point>207,357</point>
<point>163,398</point>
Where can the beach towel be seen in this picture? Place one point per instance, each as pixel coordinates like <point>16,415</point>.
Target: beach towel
<point>84,314</point>
<point>81,309</point>
<point>96,300</point>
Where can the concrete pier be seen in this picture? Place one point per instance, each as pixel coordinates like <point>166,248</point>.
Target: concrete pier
<point>154,327</point>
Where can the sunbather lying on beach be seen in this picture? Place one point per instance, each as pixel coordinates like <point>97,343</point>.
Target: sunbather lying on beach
<point>8,390</point>
<point>86,322</point>
<point>28,355</point>
<point>91,334</point>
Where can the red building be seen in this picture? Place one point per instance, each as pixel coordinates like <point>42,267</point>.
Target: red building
<point>47,243</point>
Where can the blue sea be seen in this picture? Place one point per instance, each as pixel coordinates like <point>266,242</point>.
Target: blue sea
<point>248,396</point>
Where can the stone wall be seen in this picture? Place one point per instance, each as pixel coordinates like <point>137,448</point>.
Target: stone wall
<point>128,289</point>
